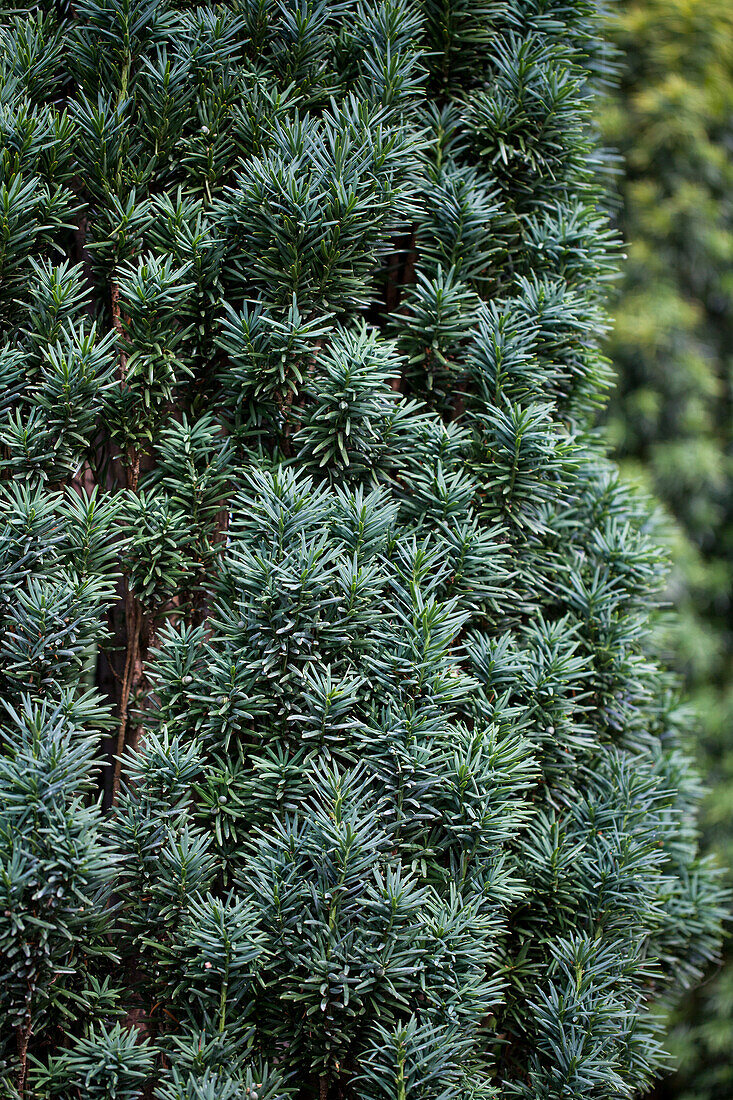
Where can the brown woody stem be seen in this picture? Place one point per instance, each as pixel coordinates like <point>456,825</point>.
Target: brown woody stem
<point>130,678</point>
<point>133,669</point>
<point>23,1038</point>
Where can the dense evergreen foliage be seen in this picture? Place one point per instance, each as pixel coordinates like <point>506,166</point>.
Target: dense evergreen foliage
<point>672,118</point>
<point>307,524</point>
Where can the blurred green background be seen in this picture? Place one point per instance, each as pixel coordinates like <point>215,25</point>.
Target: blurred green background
<point>671,418</point>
